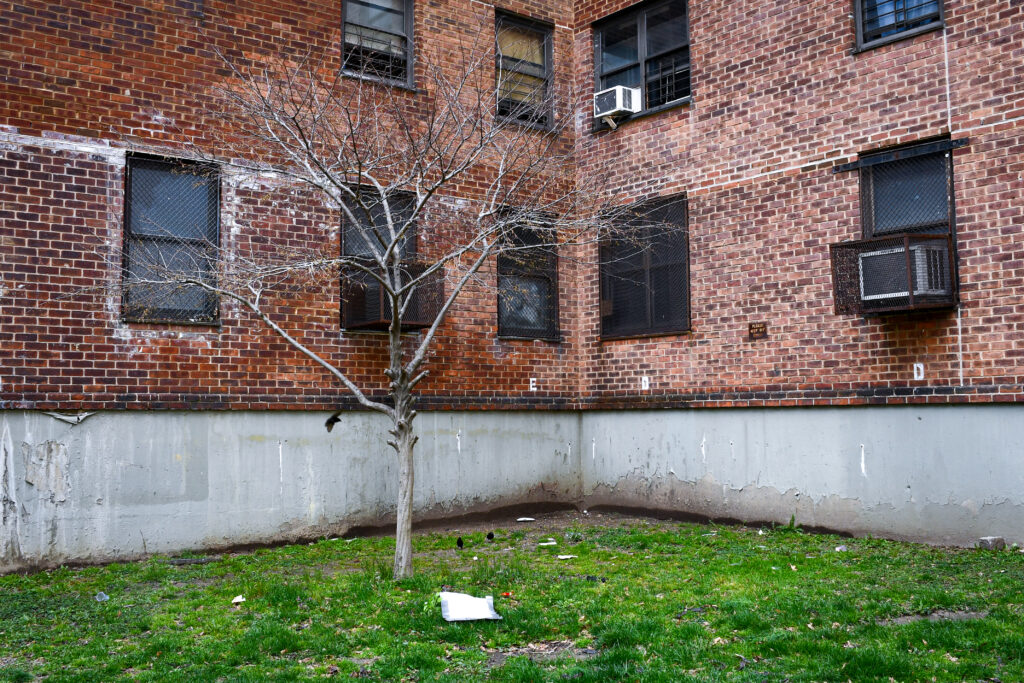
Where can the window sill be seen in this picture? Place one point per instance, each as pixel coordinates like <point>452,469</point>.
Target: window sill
<point>600,126</point>
<point>547,340</point>
<point>401,85</point>
<point>540,128</point>
<point>646,335</point>
<point>166,321</point>
<point>895,38</point>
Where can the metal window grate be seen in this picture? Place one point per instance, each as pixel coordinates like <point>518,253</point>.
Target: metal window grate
<point>645,274</point>
<point>891,274</point>
<point>907,195</point>
<point>884,18</point>
<point>171,233</point>
<point>528,288</point>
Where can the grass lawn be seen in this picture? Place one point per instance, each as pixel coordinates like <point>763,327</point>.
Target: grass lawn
<point>641,600</point>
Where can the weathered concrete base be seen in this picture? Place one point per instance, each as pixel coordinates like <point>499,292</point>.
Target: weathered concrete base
<point>124,484</point>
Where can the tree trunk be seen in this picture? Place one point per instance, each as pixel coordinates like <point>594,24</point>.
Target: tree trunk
<point>404,442</point>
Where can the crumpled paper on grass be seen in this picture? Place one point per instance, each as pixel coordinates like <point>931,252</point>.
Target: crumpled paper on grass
<point>462,607</point>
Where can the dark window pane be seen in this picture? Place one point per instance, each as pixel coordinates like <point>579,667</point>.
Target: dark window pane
<point>619,45</point>
<point>171,200</point>
<point>666,27</point>
<point>629,78</point>
<point>910,194</point>
<point>383,15</point>
<point>888,17</point>
<point>372,226</point>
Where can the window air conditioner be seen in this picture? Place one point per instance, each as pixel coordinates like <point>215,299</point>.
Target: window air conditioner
<point>616,101</point>
<point>883,273</point>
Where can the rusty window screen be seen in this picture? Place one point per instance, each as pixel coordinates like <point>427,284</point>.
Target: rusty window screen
<point>523,58</point>
<point>377,39</point>
<point>645,274</point>
<point>171,234</point>
<point>910,194</point>
<point>528,288</point>
<point>883,21</point>
<point>648,48</point>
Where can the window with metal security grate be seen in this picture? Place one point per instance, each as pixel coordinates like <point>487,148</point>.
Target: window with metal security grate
<point>645,273</point>
<point>171,235</point>
<point>528,287</point>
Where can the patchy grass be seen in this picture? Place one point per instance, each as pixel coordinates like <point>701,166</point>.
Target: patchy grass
<point>642,600</point>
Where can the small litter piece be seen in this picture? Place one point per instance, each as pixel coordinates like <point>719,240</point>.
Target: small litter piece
<point>102,597</point>
<point>462,607</point>
<point>547,543</point>
<point>567,557</point>
<point>237,600</point>
<point>526,519</point>
<point>840,548</point>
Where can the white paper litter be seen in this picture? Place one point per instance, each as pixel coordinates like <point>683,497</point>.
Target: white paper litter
<point>237,600</point>
<point>540,545</point>
<point>462,607</point>
<point>526,519</point>
<point>567,557</point>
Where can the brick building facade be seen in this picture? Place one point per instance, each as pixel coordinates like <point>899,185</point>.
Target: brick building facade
<point>783,125</point>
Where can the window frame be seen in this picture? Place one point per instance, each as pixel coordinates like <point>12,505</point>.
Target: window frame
<point>637,12</point>
<point>547,33</point>
<point>859,8</point>
<point>139,314</point>
<point>675,327</point>
<point>542,265</point>
<point>409,81</point>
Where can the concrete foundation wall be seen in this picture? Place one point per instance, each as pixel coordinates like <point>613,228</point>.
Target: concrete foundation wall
<point>124,484</point>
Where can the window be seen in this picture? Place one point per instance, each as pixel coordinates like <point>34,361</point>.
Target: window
<point>365,304</point>
<point>883,21</point>
<point>523,70</point>
<point>645,274</point>
<point>378,39</point>
<point>528,288</point>
<point>906,260</point>
<point>171,232</point>
<point>648,48</point>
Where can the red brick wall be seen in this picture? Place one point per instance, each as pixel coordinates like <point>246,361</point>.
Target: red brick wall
<point>81,83</point>
<point>779,99</point>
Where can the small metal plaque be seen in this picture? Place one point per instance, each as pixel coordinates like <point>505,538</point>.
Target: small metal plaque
<point>757,331</point>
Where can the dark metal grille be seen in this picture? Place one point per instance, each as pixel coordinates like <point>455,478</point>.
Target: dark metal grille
<point>889,274</point>
<point>371,231</point>
<point>647,48</point>
<point>907,195</point>
<point>366,306</point>
<point>171,233</point>
<point>528,288</point>
<point>668,77</point>
<point>884,18</point>
<point>645,274</point>
<point>377,38</point>
<point>523,70</point>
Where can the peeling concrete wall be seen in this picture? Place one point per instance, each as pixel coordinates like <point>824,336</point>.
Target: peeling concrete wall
<point>940,474</point>
<point>123,484</point>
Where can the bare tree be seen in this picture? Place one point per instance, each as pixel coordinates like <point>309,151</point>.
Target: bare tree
<point>427,185</point>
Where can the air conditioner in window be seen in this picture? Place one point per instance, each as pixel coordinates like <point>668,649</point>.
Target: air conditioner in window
<point>883,273</point>
<point>616,101</point>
